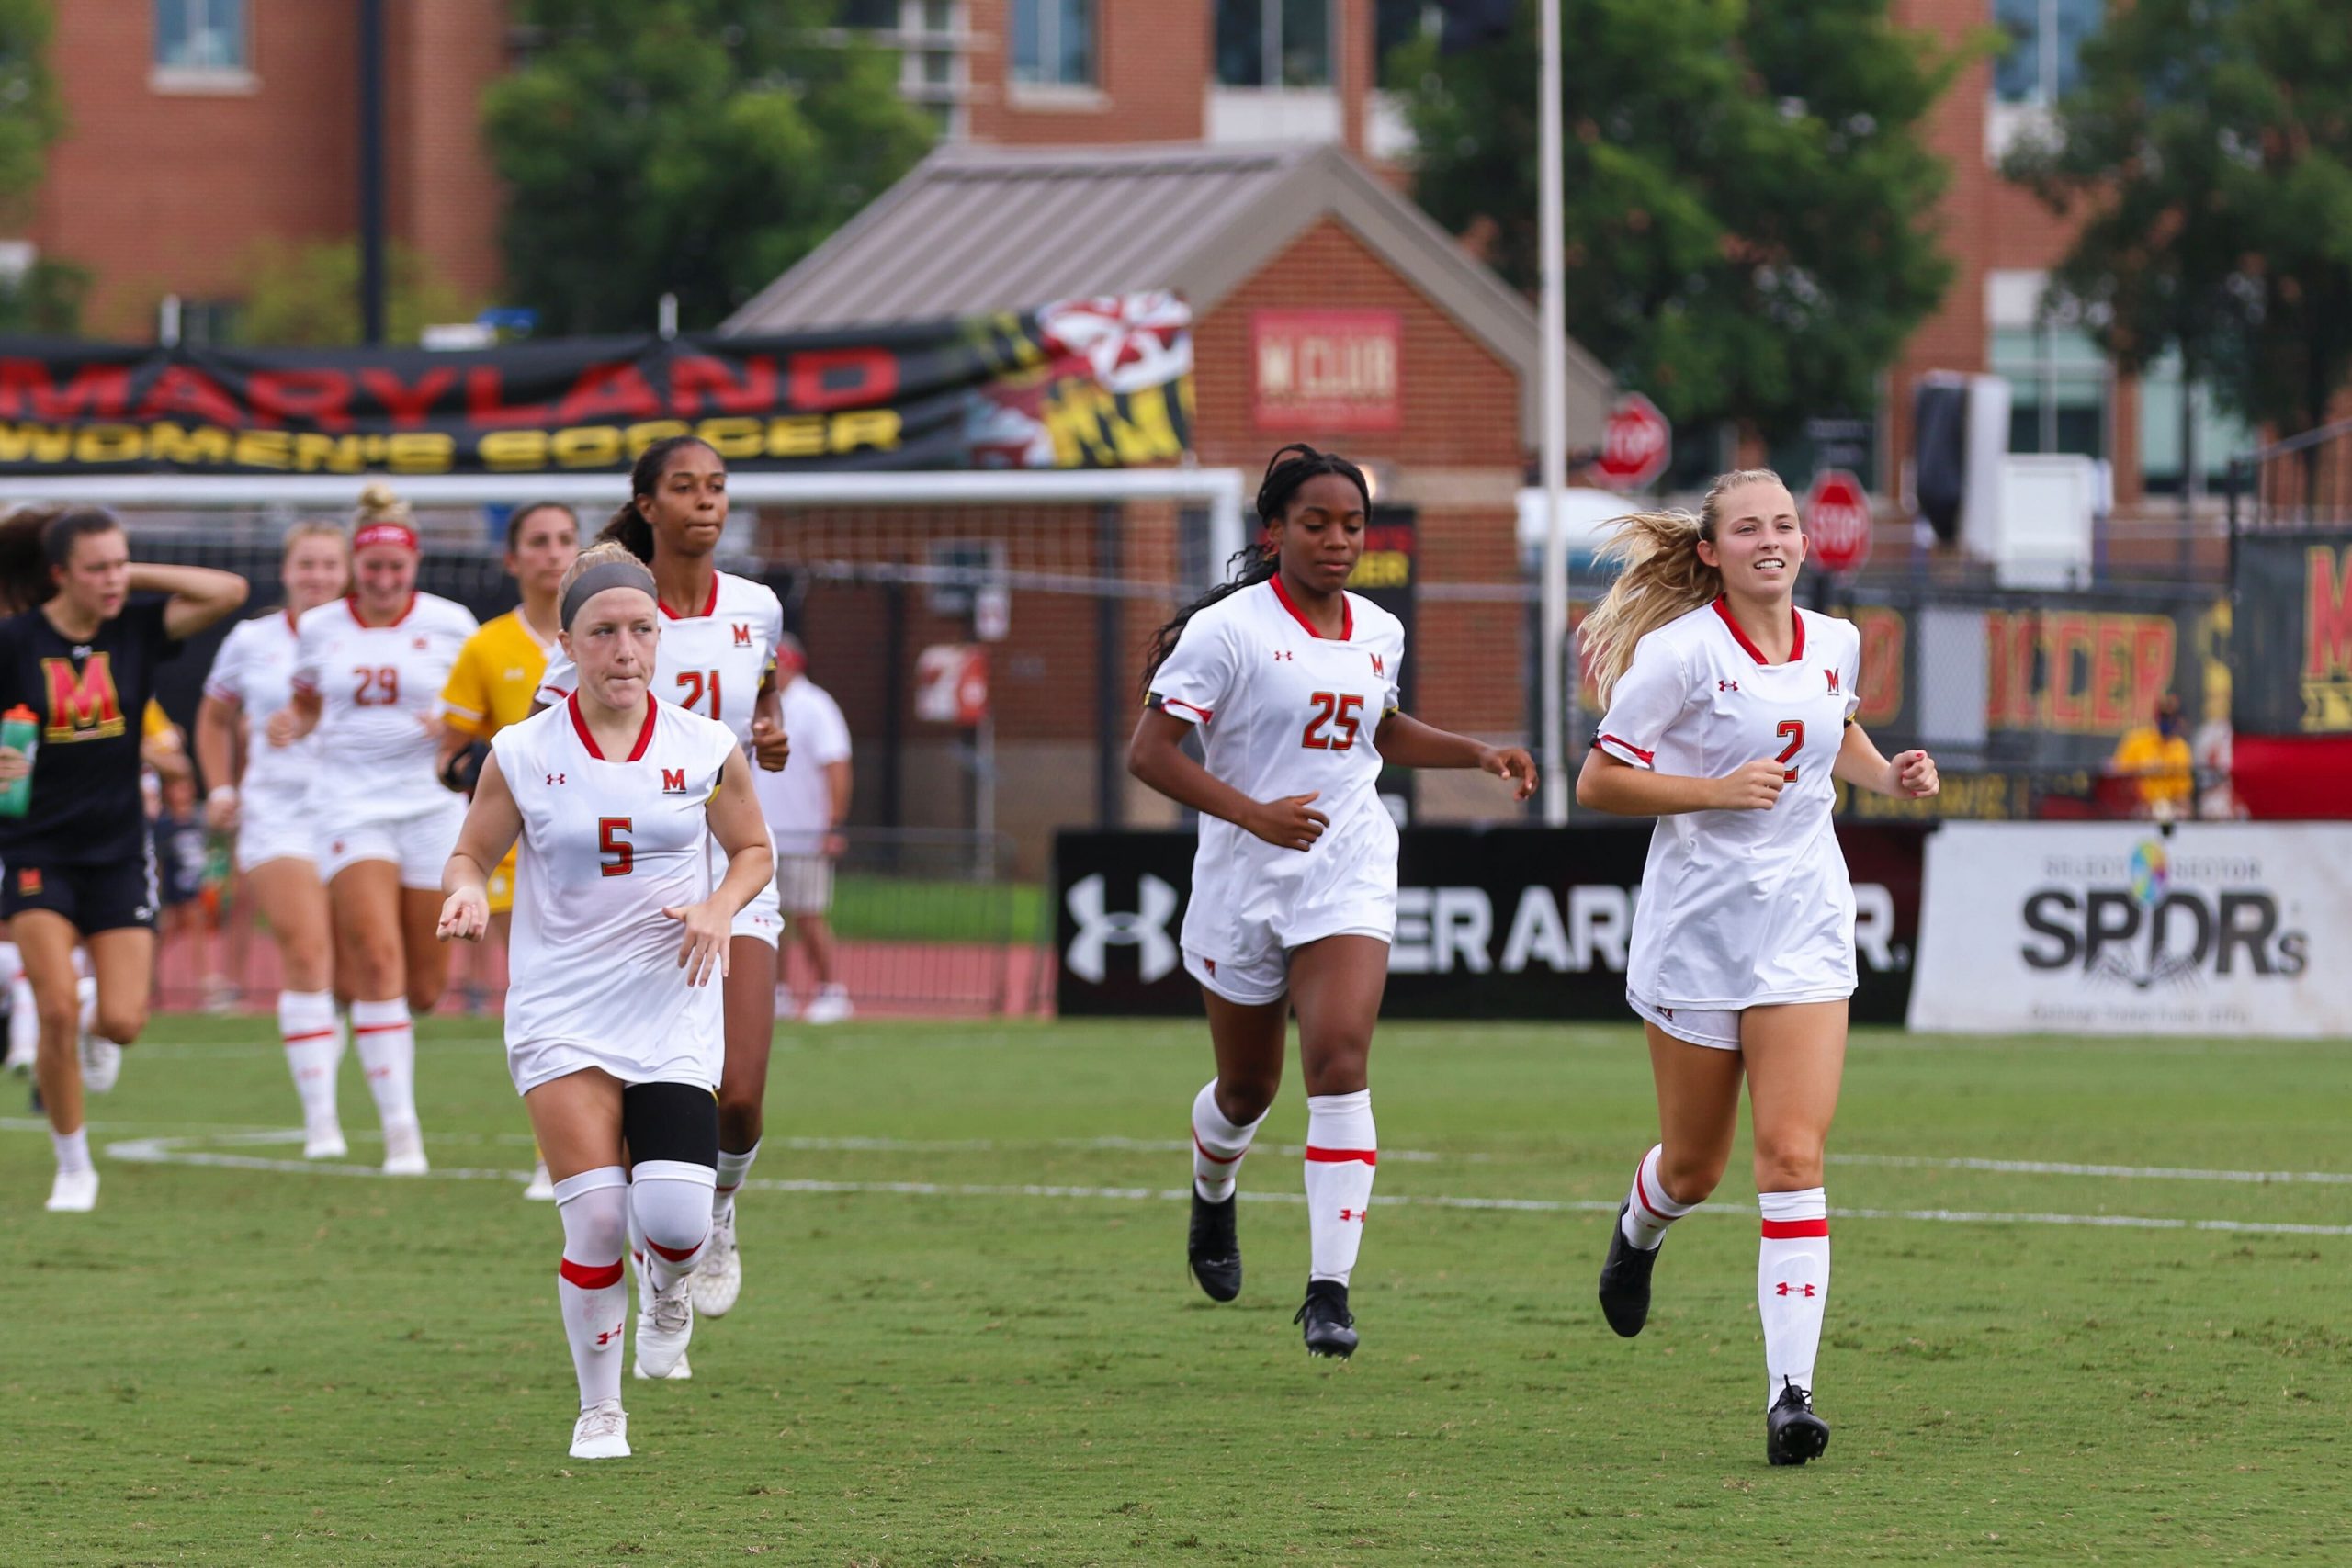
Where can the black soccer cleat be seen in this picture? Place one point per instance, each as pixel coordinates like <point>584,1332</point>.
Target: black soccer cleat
<point>1626,1278</point>
<point>1213,1250</point>
<point>1331,1327</point>
<point>1793,1433</point>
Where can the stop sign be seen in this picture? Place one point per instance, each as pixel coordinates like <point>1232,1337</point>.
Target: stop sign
<point>1837,521</point>
<point>1635,444</point>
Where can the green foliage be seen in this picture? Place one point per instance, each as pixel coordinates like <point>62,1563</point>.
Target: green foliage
<point>698,147</point>
<point>307,296</point>
<point>30,115</point>
<point>2207,148</point>
<point>47,301</point>
<point>1749,193</point>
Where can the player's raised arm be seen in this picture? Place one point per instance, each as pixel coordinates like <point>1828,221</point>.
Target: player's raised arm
<point>199,594</point>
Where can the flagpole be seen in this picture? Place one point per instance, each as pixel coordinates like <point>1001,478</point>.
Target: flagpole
<point>1550,218</point>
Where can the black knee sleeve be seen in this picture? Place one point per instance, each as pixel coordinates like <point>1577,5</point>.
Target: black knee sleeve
<point>670,1122</point>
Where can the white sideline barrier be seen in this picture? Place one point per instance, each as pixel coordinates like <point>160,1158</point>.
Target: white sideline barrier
<point>2119,928</point>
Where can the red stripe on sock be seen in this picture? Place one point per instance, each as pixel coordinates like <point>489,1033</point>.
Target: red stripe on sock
<point>676,1255</point>
<point>1782,1230</point>
<point>314,1034</point>
<point>1217,1159</point>
<point>1642,1193</point>
<point>1341,1156</point>
<point>592,1276</point>
<point>726,1187</point>
<point>379,1028</point>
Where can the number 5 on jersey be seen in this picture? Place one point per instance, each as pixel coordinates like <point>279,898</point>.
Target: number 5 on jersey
<point>1335,726</point>
<point>612,843</point>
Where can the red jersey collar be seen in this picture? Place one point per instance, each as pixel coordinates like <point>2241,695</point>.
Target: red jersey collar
<point>353,600</point>
<point>708,610</point>
<point>580,727</point>
<point>1347,611</point>
<point>1796,643</point>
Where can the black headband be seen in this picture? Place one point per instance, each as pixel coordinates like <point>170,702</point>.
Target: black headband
<point>602,575</point>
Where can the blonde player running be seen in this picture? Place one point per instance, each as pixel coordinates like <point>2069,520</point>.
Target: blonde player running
<point>1292,683</point>
<point>368,676</point>
<point>261,793</point>
<point>614,1031</point>
<point>1729,711</point>
<point>495,683</point>
<point>718,640</point>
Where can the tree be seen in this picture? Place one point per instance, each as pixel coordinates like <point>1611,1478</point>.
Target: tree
<point>2207,148</point>
<point>30,117</point>
<point>1748,198</point>
<point>693,147</point>
<point>307,296</point>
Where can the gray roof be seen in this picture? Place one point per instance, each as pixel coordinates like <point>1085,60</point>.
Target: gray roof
<point>974,228</point>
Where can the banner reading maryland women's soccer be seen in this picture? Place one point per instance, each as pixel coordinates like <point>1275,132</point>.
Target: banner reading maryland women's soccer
<point>1099,383</point>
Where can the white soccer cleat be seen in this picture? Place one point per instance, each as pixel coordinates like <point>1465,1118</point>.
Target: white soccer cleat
<point>323,1139</point>
<point>662,1333</point>
<point>101,1063</point>
<point>679,1373</point>
<point>542,1187</point>
<point>404,1151</point>
<point>829,1005</point>
<point>21,1053</point>
<point>720,1279</point>
<point>602,1432</point>
<point>75,1193</point>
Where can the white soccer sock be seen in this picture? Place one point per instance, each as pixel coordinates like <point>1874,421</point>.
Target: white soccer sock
<point>73,1149</point>
<point>24,1020</point>
<point>1217,1145</point>
<point>313,1048</point>
<point>388,1051</point>
<point>1341,1150</point>
<point>1791,1284</point>
<point>1648,1211</point>
<point>732,1168</point>
<point>86,990</point>
<point>670,1206</point>
<point>637,1264</point>
<point>594,1206</point>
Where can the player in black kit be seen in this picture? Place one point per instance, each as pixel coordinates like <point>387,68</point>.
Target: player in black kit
<point>76,867</point>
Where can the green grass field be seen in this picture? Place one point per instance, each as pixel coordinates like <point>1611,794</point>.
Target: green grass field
<point>934,1361</point>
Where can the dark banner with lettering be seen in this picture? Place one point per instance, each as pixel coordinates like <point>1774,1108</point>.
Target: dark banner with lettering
<point>2294,635</point>
<point>1100,383</point>
<point>1501,922</point>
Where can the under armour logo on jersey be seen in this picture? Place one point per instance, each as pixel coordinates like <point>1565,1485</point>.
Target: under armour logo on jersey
<point>1831,676</point>
<point>1726,685</point>
<point>1785,1289</point>
<point>742,634</point>
<point>1100,930</point>
<point>417,644</point>
<point>1379,666</point>
<point>1284,655</point>
<point>673,780</point>
<point>552,778</point>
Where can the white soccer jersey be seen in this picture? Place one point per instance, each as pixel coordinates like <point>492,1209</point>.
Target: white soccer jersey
<point>381,687</point>
<point>1740,909</point>
<point>1283,711</point>
<point>609,843</point>
<point>711,663</point>
<point>254,672</point>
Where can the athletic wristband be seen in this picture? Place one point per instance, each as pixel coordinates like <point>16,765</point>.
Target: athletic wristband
<point>221,792</point>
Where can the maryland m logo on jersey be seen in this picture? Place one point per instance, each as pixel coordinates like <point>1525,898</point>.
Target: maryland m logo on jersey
<point>83,704</point>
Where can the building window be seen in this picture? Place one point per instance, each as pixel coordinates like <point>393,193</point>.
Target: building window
<point>201,35</point>
<point>1273,43</point>
<point>2218,435</point>
<point>1053,42</point>
<point>928,38</point>
<point>2043,59</point>
<point>2060,387</point>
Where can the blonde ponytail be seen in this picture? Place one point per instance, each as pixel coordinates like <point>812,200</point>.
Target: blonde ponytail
<point>1660,576</point>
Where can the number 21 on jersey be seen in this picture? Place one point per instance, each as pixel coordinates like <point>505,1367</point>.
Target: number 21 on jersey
<point>693,683</point>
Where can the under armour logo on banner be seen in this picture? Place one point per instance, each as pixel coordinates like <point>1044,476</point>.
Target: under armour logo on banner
<point>1099,930</point>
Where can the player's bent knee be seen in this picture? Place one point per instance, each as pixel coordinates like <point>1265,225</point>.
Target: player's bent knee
<point>1787,1167</point>
<point>122,1025</point>
<point>1243,1103</point>
<point>1687,1181</point>
<point>424,999</point>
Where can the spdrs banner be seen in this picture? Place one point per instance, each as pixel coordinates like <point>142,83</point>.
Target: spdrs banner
<point>1095,383</point>
<point>2119,929</point>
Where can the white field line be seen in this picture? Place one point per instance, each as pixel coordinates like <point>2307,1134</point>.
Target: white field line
<point>168,1151</point>
<point>2136,1172</point>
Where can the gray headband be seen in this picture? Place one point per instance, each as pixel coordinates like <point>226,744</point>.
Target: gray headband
<point>602,575</point>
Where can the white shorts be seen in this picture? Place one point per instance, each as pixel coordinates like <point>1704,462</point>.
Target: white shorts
<point>1263,975</point>
<point>759,919</point>
<point>1716,1030</point>
<point>696,1062</point>
<point>804,884</point>
<point>418,845</point>
<point>274,826</point>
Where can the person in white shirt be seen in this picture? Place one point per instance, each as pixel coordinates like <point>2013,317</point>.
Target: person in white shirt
<point>368,672</point>
<point>261,792</point>
<point>614,1030</point>
<point>806,804</point>
<point>1292,683</point>
<point>719,638</point>
<point>1730,712</point>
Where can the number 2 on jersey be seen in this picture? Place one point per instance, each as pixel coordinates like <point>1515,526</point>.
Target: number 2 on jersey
<point>612,842</point>
<point>1335,725</point>
<point>1794,729</point>
<point>378,688</point>
<point>694,682</point>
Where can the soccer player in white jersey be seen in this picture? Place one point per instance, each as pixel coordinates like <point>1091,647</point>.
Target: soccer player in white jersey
<point>260,793</point>
<point>1292,683</point>
<point>614,1028</point>
<point>1729,711</point>
<point>718,640</point>
<point>368,676</point>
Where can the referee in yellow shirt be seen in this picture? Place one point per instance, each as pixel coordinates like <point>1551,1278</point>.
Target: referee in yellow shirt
<point>2155,754</point>
<point>496,677</point>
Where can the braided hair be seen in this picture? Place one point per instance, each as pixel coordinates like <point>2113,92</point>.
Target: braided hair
<point>1290,467</point>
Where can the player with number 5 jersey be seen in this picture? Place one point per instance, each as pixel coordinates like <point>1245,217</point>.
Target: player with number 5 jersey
<point>1293,684</point>
<point>717,655</point>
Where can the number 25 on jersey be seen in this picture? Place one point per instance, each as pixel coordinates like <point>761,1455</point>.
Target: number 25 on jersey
<point>1334,725</point>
